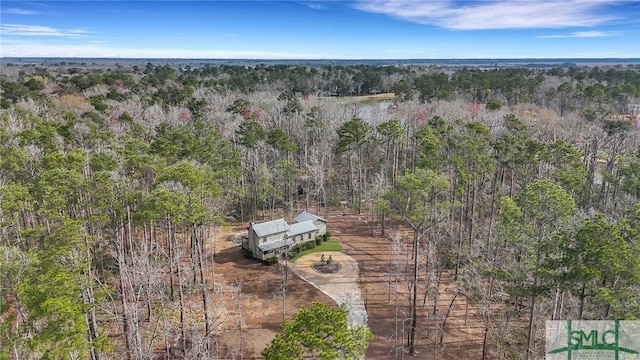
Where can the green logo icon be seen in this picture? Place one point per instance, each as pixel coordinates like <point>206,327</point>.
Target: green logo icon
<point>585,339</point>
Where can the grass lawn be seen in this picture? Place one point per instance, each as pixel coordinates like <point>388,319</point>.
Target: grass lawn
<point>329,245</point>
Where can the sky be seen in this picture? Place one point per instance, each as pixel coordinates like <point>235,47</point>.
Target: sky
<point>310,29</point>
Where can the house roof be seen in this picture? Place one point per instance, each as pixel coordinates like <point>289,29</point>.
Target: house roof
<point>302,228</point>
<point>270,227</point>
<point>305,216</point>
<point>271,245</point>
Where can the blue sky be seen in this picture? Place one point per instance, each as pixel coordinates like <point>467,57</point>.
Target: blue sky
<point>375,29</point>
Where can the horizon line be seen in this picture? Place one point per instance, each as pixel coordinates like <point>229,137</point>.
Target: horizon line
<point>324,59</point>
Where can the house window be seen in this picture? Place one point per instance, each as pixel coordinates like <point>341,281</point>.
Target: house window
<point>309,238</point>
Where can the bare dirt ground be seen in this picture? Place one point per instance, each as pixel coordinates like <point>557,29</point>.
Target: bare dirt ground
<point>463,332</point>
<point>260,306</point>
<point>261,300</point>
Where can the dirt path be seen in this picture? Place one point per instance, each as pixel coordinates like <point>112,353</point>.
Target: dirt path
<point>342,286</point>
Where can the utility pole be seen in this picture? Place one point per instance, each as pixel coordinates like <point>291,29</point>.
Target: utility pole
<point>285,275</point>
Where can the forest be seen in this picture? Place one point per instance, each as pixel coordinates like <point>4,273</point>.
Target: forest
<point>522,185</point>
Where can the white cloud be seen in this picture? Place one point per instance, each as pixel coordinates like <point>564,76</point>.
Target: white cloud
<point>579,34</point>
<point>311,4</point>
<point>35,30</point>
<point>17,11</point>
<point>42,49</point>
<point>492,14</point>
<point>13,48</point>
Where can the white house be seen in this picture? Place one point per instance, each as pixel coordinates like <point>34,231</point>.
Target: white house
<point>265,240</point>
<point>319,222</point>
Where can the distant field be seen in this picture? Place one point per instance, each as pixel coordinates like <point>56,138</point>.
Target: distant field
<point>376,97</point>
<point>368,98</point>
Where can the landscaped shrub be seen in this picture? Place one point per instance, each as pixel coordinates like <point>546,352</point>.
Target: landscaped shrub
<point>295,250</point>
<point>292,252</point>
<point>270,261</point>
<point>319,239</point>
<point>327,235</point>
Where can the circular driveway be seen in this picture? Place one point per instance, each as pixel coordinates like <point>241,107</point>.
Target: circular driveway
<point>342,286</point>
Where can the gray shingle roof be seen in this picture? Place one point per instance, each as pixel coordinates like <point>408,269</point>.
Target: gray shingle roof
<point>270,227</point>
<point>305,216</point>
<point>302,228</point>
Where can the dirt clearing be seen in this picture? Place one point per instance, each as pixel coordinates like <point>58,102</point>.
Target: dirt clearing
<point>261,299</point>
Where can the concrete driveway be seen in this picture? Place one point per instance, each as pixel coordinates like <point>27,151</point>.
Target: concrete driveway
<point>342,286</point>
